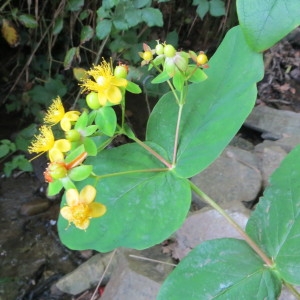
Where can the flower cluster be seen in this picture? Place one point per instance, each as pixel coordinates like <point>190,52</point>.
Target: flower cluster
<point>175,64</point>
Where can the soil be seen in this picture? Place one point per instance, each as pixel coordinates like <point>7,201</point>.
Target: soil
<point>32,256</point>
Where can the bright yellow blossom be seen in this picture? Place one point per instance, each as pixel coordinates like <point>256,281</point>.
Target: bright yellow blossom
<point>105,84</point>
<point>45,141</point>
<point>56,113</point>
<point>81,208</point>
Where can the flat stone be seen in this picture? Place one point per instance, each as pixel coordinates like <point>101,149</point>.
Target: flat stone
<point>277,122</point>
<point>34,207</point>
<point>234,176</point>
<point>207,224</point>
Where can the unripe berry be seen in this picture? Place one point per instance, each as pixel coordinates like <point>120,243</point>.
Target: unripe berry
<point>159,49</point>
<point>57,170</point>
<point>92,100</point>
<point>202,59</point>
<point>72,135</point>
<point>121,71</point>
<point>169,51</point>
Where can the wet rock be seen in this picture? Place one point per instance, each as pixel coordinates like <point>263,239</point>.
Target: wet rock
<point>234,176</point>
<point>135,279</point>
<point>34,207</point>
<point>207,224</point>
<point>268,120</point>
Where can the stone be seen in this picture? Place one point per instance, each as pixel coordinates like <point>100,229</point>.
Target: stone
<point>234,176</point>
<point>277,122</point>
<point>86,275</point>
<point>207,224</point>
<point>34,207</point>
<point>270,156</point>
<point>136,279</point>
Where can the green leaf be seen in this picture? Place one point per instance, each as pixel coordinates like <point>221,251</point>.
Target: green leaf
<point>161,77</point>
<point>106,120</point>
<point>86,34</point>
<point>54,188</point>
<point>217,8</point>
<point>141,3</point>
<point>133,17</point>
<point>214,110</point>
<point>28,21</point>
<point>203,8</point>
<point>89,130</point>
<point>75,5</point>
<point>82,121</point>
<point>221,269</point>
<point>152,17</point>
<point>103,29</point>
<point>275,223</point>
<point>74,154</point>
<point>80,173</point>
<point>58,25</point>
<point>90,146</point>
<point>264,23</point>
<point>144,207</point>
<point>133,88</point>
<point>198,75</point>
<point>4,150</point>
<point>70,55</point>
<point>178,81</point>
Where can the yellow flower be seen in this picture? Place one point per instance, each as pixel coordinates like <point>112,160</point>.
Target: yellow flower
<point>105,84</point>
<point>45,141</point>
<point>81,208</point>
<point>147,55</point>
<point>56,113</point>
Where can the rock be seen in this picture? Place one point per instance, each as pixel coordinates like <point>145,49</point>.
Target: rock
<point>86,275</point>
<point>270,156</point>
<point>207,224</point>
<point>34,207</point>
<point>135,279</point>
<point>287,295</point>
<point>272,121</point>
<point>234,176</point>
<point>134,276</point>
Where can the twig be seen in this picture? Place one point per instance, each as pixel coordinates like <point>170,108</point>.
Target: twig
<point>152,260</point>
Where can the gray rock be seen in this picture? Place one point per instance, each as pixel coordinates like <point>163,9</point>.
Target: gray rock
<point>234,176</point>
<point>135,279</point>
<point>273,121</point>
<point>207,224</point>
<point>86,275</point>
<point>270,156</point>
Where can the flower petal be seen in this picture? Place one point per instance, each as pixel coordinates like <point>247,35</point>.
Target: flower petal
<point>72,197</point>
<point>65,124</point>
<point>63,145</point>
<point>87,194</point>
<point>102,98</point>
<point>55,155</point>
<point>118,81</point>
<point>66,213</point>
<point>82,224</point>
<point>97,209</point>
<point>114,95</point>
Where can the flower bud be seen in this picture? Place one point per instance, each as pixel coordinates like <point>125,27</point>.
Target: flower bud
<point>92,100</point>
<point>73,135</point>
<point>56,170</point>
<point>121,71</point>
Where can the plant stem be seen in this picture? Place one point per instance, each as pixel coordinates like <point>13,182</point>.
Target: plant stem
<point>153,152</point>
<point>177,134</point>
<point>247,238</point>
<point>292,289</point>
